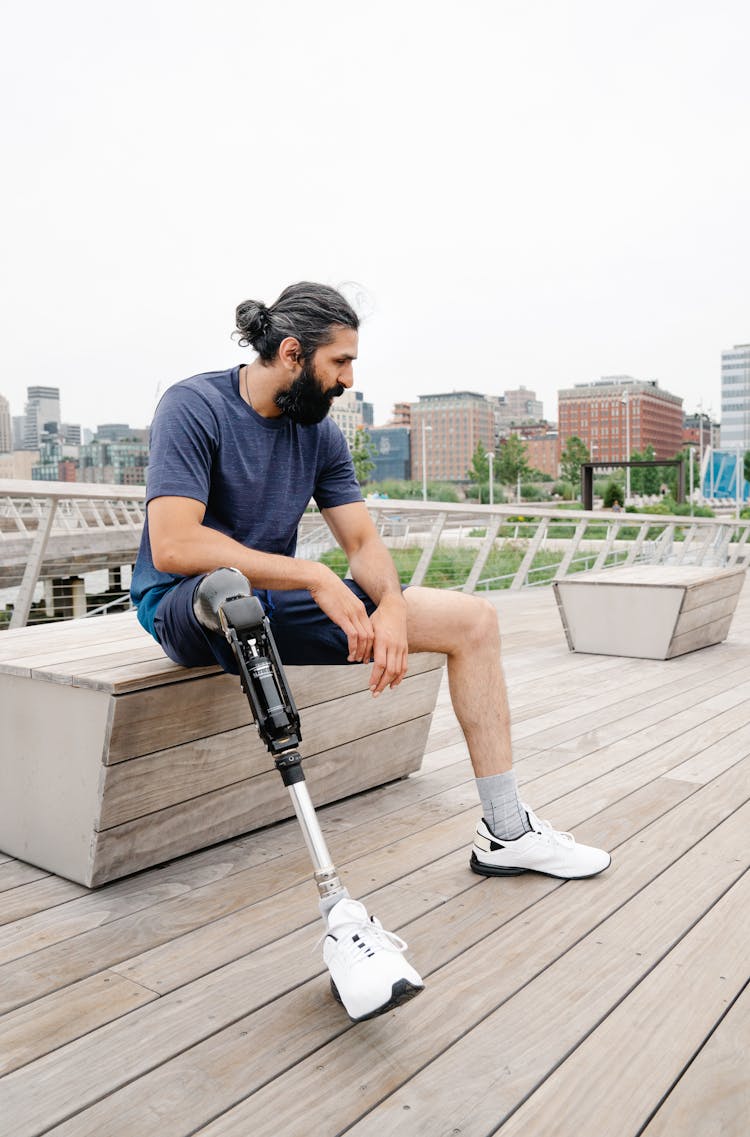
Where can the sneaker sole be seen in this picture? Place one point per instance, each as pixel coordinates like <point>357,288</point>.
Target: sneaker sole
<point>401,992</point>
<point>499,870</point>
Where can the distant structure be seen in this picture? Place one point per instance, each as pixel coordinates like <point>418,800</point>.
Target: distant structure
<point>41,414</point>
<point>445,430</point>
<point>392,453</point>
<point>735,397</point>
<point>351,412</point>
<point>19,431</point>
<point>122,463</point>
<point>6,427</point>
<point>699,431</point>
<point>114,431</point>
<point>542,446</point>
<point>400,415</point>
<point>514,409</point>
<point>617,415</point>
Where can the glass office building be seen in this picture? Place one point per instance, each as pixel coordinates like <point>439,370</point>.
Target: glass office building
<point>735,398</point>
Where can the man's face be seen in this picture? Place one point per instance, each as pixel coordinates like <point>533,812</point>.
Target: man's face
<point>322,379</point>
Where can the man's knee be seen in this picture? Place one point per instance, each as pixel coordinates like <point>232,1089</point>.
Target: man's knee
<point>214,590</point>
<point>482,623</point>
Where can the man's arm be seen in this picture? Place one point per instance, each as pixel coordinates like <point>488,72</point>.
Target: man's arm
<point>180,543</point>
<point>373,569</point>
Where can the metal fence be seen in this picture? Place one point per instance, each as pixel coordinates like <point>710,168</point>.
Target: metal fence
<point>58,529</point>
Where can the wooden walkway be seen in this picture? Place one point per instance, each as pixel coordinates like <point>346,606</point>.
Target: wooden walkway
<point>191,999</point>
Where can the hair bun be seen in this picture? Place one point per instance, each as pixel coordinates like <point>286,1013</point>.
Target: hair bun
<point>253,318</point>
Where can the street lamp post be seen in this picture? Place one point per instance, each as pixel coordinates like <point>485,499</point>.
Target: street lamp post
<point>490,459</point>
<point>700,453</point>
<point>425,428</point>
<point>626,404</point>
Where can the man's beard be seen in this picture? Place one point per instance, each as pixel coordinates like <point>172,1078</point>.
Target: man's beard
<point>305,402</point>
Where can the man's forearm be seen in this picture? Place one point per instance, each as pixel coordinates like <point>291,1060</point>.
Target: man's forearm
<point>203,549</point>
<point>373,569</point>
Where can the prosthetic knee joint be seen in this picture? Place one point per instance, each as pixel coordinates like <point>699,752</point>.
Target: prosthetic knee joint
<point>224,603</point>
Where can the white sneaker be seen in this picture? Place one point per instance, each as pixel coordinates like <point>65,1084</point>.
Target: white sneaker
<point>544,849</point>
<point>369,974</point>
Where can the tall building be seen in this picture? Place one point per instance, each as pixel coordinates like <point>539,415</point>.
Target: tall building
<point>617,414</point>
<point>70,434</point>
<point>445,430</point>
<point>514,408</point>
<point>735,397</point>
<point>6,427</point>
<point>42,413</point>
<point>351,412</point>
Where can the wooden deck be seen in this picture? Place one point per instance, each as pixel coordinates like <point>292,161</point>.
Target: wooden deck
<point>191,999</point>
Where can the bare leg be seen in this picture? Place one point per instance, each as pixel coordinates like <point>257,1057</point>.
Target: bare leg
<point>466,629</point>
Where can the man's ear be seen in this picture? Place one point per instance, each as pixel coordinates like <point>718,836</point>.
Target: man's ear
<point>290,352</point>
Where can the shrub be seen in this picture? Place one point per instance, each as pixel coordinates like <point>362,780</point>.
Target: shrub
<point>564,490</point>
<point>613,493</point>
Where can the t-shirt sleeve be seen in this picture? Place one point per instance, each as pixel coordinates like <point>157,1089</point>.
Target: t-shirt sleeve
<point>183,442</point>
<point>336,483</point>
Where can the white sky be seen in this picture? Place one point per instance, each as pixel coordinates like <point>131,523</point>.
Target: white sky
<point>533,192</point>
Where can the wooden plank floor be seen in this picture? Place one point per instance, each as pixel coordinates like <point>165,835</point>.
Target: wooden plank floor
<point>191,999</point>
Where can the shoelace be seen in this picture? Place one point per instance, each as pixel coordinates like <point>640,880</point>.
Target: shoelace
<point>546,828</point>
<point>371,936</point>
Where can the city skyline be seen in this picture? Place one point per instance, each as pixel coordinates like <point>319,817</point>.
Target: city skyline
<point>359,397</point>
<point>515,194</point>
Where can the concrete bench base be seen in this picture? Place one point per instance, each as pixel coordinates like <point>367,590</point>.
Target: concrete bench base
<point>116,759</point>
<point>648,611</point>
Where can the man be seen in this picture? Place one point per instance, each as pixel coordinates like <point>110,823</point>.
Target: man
<point>235,458</point>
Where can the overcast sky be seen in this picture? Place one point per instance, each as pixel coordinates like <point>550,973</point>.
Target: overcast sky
<point>533,192</point>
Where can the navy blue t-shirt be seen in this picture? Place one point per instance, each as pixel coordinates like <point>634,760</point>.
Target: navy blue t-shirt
<point>255,475</point>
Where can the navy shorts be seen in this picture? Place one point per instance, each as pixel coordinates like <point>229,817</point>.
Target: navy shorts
<point>302,631</point>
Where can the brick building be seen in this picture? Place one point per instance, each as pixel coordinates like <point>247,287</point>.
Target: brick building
<point>451,425</point>
<point>603,413</point>
<point>542,449</point>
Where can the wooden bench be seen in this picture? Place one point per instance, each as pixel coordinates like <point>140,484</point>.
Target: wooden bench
<point>115,759</point>
<point>648,611</point>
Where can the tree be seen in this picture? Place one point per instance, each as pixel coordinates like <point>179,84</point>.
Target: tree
<point>574,454</point>
<point>479,471</point>
<point>363,452</point>
<point>511,460</point>
<point>746,466</point>
<point>652,475</point>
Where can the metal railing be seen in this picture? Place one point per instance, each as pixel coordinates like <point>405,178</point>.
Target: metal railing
<point>62,522</point>
<point>443,544</point>
<point>510,546</point>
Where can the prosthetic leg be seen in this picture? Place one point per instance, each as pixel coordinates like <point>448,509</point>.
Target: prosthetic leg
<point>369,974</point>
<point>224,603</point>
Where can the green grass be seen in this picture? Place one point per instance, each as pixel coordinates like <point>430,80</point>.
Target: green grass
<point>449,568</point>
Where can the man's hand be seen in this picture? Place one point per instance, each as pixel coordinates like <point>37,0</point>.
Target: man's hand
<point>345,609</point>
<point>391,646</point>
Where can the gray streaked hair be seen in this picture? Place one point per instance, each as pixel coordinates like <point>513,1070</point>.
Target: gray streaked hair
<point>308,312</point>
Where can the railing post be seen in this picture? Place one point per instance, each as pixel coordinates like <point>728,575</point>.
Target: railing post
<point>424,561</point>
<point>22,606</point>
<point>483,554</point>
<point>531,552</point>
<point>570,553</point>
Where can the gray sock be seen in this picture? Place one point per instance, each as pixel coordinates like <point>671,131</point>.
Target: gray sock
<point>502,807</point>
